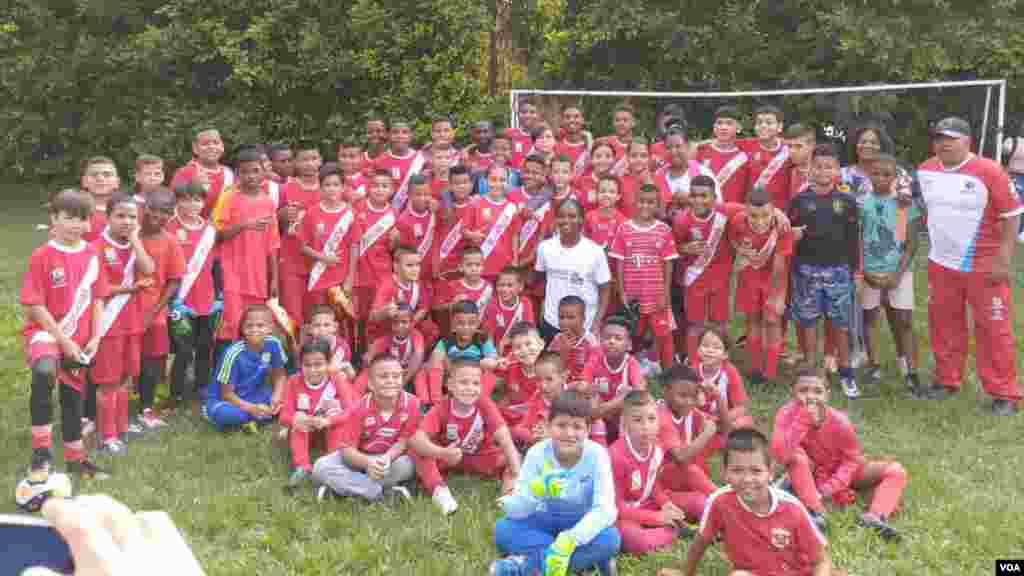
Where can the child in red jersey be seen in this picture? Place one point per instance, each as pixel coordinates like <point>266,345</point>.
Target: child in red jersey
<point>561,181</point>
<point>763,530</point>
<point>575,141</point>
<point>149,174</point>
<point>205,167</point>
<point>623,123</point>
<point>601,224</point>
<point>638,176</point>
<point>372,459</point>
<point>442,138</point>
<point>464,432</point>
<point>644,252</point>
<point>455,221</point>
<point>521,381</point>
<point>612,373</point>
<point>494,224</point>
<point>100,180</point>
<point>375,223</point>
<point>328,240</point>
<point>196,300</point>
<point>824,458</point>
<point>417,225</point>
<point>769,157</point>
<point>507,310</point>
<point>440,176</point>
<point>725,398</point>
<point>465,341</point>
<point>350,156</point>
<point>404,342</point>
<point>248,240</point>
<point>538,214</point>
<point>543,137</point>
<point>298,197</point>
<point>376,130</point>
<point>471,286</point>
<point>127,267</point>
<point>763,250</point>
<point>62,294</point>
<point>403,287</point>
<point>282,165</point>
<point>322,322</point>
<point>169,269</point>
<point>315,402</point>
<point>573,342</point>
<point>480,154</point>
<point>520,139</point>
<point>550,372</point>
<point>648,518</point>
<point>730,164</point>
<point>685,433</point>
<point>602,157</point>
<point>400,162</point>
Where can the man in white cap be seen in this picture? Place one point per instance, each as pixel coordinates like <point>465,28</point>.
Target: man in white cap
<point>973,214</point>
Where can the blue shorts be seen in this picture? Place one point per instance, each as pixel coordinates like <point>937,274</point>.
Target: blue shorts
<point>822,291</point>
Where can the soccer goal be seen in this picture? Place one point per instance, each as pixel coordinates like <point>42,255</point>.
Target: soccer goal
<point>905,110</point>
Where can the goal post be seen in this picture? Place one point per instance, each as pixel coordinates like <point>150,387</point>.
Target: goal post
<point>988,132</point>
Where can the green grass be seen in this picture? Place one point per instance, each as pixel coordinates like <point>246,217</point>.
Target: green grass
<point>225,492</point>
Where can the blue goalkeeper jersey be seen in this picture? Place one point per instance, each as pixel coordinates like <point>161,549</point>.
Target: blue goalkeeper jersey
<point>247,371</point>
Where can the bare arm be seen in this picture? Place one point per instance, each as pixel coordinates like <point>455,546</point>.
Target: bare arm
<point>603,291</point>
<point>824,565</point>
<point>278,379</point>
<point>423,446</point>
<point>694,553</point>
<point>40,315</point>
<point>143,262</point>
<point>272,266</point>
<point>503,438</point>
<point>355,459</point>
<point>686,454</point>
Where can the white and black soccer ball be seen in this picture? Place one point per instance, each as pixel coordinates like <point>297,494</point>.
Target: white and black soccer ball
<point>30,495</point>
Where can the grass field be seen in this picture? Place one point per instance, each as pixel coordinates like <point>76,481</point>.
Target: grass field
<point>960,513</point>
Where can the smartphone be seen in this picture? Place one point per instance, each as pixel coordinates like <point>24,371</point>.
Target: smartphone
<point>27,541</point>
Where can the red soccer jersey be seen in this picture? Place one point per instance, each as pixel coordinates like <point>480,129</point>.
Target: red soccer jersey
<point>400,168</point>
<point>760,268</point>
<point>500,224</point>
<point>458,290</point>
<point>578,155</point>
<point>575,355</point>
<point>331,399</point>
<point>535,229</point>
<point>522,143</point>
<point>498,318</point>
<point>638,491</point>
<point>731,169</point>
<point>631,188</point>
<point>55,274</point>
<point>473,433</point>
<point>341,353</point>
<point>713,230</point>
<point>585,187</point>
<point>536,413</point>
<point>272,189</point>
<point>403,349</point>
<point>600,228</point>
<point>367,430</point>
<point>114,258</point>
<point>373,228</point>
<point>659,156</point>
<point>519,389</point>
<point>97,224</point>
<point>450,240</point>
<point>728,386</point>
<point>833,447</point>
<point>337,226</point>
<point>291,260</point>
<point>219,178</point>
<point>768,170</point>
<point>678,432</point>
<point>368,164</point>
<point>244,257</point>
<point>391,290</point>
<point>419,231</point>
<point>200,296</point>
<point>620,164</point>
<point>608,383</point>
<point>784,542</point>
<point>642,253</point>
<point>170,265</point>
<point>355,187</point>
<point>477,161</point>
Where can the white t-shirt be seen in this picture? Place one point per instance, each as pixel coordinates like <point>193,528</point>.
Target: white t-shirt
<point>578,271</point>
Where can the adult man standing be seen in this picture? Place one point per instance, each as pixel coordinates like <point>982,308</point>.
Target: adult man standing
<point>973,214</point>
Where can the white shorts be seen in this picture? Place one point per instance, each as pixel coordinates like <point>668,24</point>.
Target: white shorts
<point>900,298</point>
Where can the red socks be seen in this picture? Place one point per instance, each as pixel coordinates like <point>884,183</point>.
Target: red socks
<point>107,411</point>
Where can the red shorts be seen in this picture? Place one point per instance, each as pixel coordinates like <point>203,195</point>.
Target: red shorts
<point>364,301</point>
<point>705,303</point>
<point>119,357</point>
<point>661,323</point>
<point>231,319</point>
<point>293,296</point>
<point>753,290</point>
<point>156,343</point>
<point>39,350</point>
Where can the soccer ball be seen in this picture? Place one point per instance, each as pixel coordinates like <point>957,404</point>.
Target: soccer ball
<point>30,495</point>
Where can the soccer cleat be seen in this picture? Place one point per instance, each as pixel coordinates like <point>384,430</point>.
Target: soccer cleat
<point>34,490</point>
<point>322,492</point>
<point>399,494</point>
<point>297,477</point>
<point>879,525</point>
<point>135,430</point>
<point>873,375</point>
<point>509,566</point>
<point>149,420</point>
<point>1003,407</point>
<point>112,447</point>
<point>250,427</point>
<point>558,555</point>
<point>445,501</point>
<point>87,469</point>
<point>850,387</point>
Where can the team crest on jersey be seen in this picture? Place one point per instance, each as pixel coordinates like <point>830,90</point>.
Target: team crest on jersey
<point>636,481</point>
<point>417,229</point>
<point>370,421</point>
<point>602,384</point>
<point>58,278</point>
<point>970,187</point>
<point>110,254</point>
<point>697,234</point>
<point>182,236</point>
<point>302,402</point>
<point>781,538</point>
<point>452,432</point>
<point>500,320</point>
<point>998,309</point>
<point>396,172</point>
<point>487,213</point>
<point>265,357</point>
<point>838,206</point>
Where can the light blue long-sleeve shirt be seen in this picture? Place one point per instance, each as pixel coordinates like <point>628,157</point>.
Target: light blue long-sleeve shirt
<point>586,490</point>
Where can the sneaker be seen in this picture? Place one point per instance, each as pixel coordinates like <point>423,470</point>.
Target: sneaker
<point>850,387</point>
<point>445,501</point>
<point>135,430</point>
<point>297,477</point>
<point>112,447</point>
<point>873,375</point>
<point>40,485</point>
<point>86,468</point>
<point>613,567</point>
<point>940,392</point>
<point>150,421</point>
<point>399,494</point>
<point>1003,407</point>
<point>509,566</point>
<point>879,525</point>
<point>819,520</point>
<point>323,492</point>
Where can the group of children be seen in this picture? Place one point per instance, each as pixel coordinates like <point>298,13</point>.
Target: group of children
<point>377,308</point>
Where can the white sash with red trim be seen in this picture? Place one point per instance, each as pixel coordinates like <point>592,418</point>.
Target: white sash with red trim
<point>274,192</point>
<point>730,168</point>
<point>772,168</point>
<point>428,237</point>
<point>533,224</point>
<point>451,240</point>
<point>229,177</point>
<point>653,465</point>
<point>402,194</point>
<point>722,380</point>
<point>338,359</point>
<point>497,229</point>
<point>329,394</point>
<point>116,304</point>
<point>68,325</point>
<point>376,231</point>
<point>758,260</point>
<point>694,271</point>
<point>331,247</point>
<point>197,261</point>
<point>580,166</point>
<point>402,350</point>
<point>414,296</point>
<point>485,297</point>
<point>470,443</point>
<point>619,168</point>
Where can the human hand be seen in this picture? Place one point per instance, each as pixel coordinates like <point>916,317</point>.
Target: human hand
<point>798,232</point>
<point>142,283</point>
<point>91,347</point>
<point>710,427</point>
<point>452,455</point>
<point>378,467</point>
<point>671,515</point>
<point>694,248</point>
<point>782,221</point>
<point>71,349</point>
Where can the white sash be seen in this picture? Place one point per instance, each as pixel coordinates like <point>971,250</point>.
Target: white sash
<point>772,168</point>
<point>450,241</point>
<point>499,227</point>
<point>619,168</point>
<point>414,298</point>
<point>330,248</point>
<point>402,194</point>
<point>338,359</point>
<point>761,258</point>
<point>485,297</point>
<point>229,178</point>
<point>113,308</point>
<point>730,168</point>
<point>657,456</point>
<point>68,325</point>
<point>533,224</point>
<point>428,238</point>
<point>581,162</point>
<point>697,268</point>
<point>470,443</point>
<point>723,388</point>
<point>402,350</point>
<point>274,192</point>
<point>376,231</point>
<point>196,262</point>
<point>330,393</point>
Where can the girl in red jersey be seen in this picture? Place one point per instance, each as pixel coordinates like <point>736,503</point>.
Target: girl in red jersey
<point>601,159</point>
<point>721,385</point>
<point>601,224</point>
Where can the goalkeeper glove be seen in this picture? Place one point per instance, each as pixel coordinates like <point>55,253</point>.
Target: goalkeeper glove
<point>550,483</point>
<point>558,555</point>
